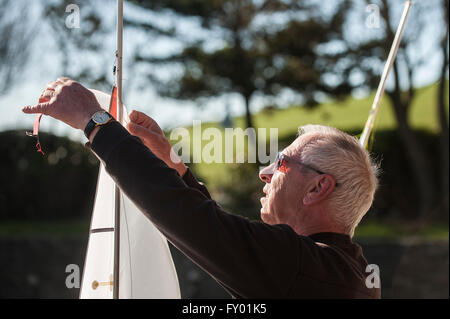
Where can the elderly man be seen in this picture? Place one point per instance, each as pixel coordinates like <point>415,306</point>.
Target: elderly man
<point>317,191</point>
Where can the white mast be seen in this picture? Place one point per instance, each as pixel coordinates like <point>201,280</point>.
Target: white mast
<point>387,68</point>
<point>116,271</point>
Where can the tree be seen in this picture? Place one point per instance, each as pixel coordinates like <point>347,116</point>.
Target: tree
<point>403,91</point>
<point>81,49</point>
<point>30,180</point>
<point>15,42</point>
<point>257,55</point>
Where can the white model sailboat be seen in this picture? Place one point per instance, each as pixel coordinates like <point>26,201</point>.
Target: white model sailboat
<point>127,257</point>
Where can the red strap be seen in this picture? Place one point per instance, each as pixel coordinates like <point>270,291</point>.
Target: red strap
<point>35,133</point>
<point>37,121</point>
<point>113,103</point>
<point>39,148</point>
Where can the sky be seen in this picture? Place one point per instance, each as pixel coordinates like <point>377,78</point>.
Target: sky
<point>44,67</point>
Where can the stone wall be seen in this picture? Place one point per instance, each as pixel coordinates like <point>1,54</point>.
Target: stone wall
<point>35,268</point>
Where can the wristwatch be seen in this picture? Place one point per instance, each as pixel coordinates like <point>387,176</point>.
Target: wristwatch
<point>98,119</point>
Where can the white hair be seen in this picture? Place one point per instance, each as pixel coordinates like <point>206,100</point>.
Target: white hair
<point>340,155</point>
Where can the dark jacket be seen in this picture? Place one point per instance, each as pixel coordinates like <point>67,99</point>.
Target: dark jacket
<point>249,259</point>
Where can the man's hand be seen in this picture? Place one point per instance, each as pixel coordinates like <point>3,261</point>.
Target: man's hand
<point>67,101</point>
<point>153,137</point>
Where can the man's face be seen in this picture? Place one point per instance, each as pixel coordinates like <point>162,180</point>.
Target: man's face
<point>284,188</point>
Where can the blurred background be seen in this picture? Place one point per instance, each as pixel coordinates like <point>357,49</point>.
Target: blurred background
<point>229,63</point>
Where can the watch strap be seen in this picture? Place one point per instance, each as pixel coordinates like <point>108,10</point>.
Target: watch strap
<point>92,125</point>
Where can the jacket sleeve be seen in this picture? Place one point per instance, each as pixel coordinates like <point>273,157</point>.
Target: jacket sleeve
<point>191,181</point>
<point>250,259</point>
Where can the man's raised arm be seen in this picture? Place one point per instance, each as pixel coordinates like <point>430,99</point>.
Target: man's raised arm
<point>245,257</point>
<point>240,254</point>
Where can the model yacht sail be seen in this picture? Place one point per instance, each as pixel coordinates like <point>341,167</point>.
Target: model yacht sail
<point>127,257</point>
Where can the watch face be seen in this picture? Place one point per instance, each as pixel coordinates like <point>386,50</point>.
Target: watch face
<point>100,117</point>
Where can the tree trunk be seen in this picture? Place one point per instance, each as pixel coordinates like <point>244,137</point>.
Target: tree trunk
<point>252,137</point>
<point>442,116</point>
<point>248,114</point>
<point>420,165</point>
<point>444,146</point>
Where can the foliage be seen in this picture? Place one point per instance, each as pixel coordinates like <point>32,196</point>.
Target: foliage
<point>57,186</point>
<point>15,41</point>
<point>240,193</point>
<point>372,51</point>
<point>251,48</point>
<point>81,49</point>
<point>398,229</point>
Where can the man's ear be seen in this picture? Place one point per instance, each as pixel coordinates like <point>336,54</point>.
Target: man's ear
<point>320,190</point>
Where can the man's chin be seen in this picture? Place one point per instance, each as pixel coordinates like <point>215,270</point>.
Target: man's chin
<point>266,217</point>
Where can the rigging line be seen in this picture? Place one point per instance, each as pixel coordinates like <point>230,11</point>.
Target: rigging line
<point>387,68</point>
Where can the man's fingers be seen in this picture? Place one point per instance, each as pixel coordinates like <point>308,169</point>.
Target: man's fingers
<point>45,99</point>
<point>136,116</point>
<point>46,96</point>
<point>35,109</point>
<point>140,118</point>
<point>139,131</point>
<point>136,129</point>
<point>52,86</point>
<point>64,79</point>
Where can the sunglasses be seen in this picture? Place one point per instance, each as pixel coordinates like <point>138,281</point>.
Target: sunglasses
<point>281,161</point>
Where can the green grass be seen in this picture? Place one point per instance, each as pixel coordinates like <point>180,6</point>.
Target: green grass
<point>351,114</point>
<point>401,230</point>
<point>14,229</point>
<point>348,115</point>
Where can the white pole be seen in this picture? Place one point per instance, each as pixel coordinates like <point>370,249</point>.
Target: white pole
<point>387,68</point>
<point>116,271</point>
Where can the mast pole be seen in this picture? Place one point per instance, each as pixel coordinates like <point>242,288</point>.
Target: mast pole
<point>387,68</point>
<point>116,271</point>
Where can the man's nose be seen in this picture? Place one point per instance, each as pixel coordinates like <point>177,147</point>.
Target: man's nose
<point>266,173</point>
